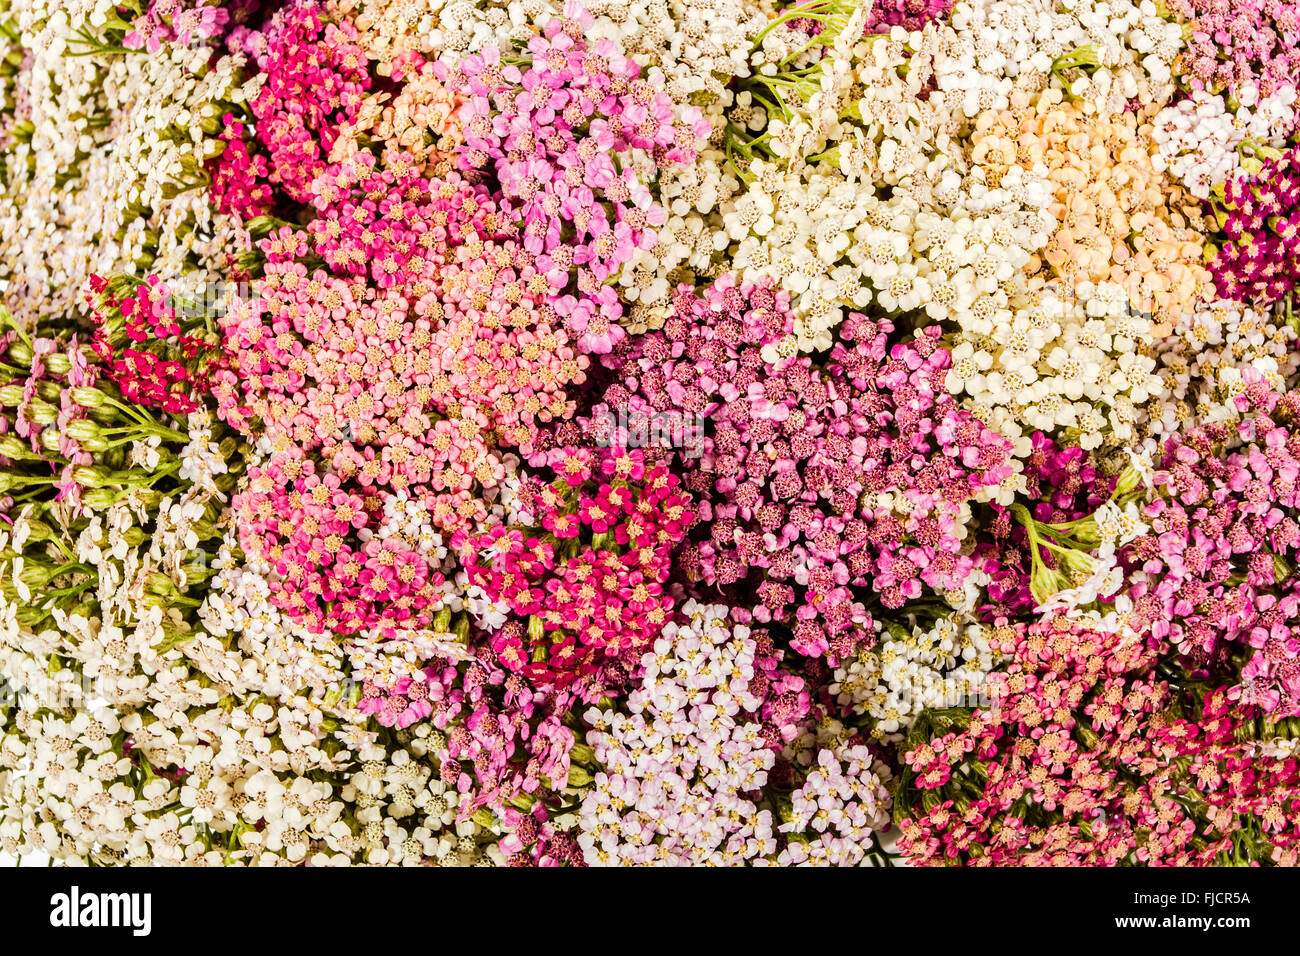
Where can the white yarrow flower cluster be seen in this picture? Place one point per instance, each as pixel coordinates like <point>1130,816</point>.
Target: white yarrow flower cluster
<point>1057,360</point>
<point>1200,142</point>
<point>908,672</point>
<point>1211,359</point>
<point>838,808</point>
<point>93,188</point>
<point>1128,48</point>
<point>678,768</point>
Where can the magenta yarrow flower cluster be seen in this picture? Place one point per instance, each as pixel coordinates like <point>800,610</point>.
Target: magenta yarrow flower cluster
<point>1260,213</point>
<point>584,589</point>
<point>821,484</point>
<point>139,339</point>
<point>241,178</point>
<point>314,79</point>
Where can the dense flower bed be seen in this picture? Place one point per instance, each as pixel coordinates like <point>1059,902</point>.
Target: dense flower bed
<point>470,432</point>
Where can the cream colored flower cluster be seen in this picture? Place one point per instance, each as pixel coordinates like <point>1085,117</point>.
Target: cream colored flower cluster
<point>243,742</point>
<point>106,171</point>
<point>391,30</point>
<point>868,196</point>
<point>1210,360</point>
<point>1103,53</point>
<point>925,668</point>
<point>1069,360</point>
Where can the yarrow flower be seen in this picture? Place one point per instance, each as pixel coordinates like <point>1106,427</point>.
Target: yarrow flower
<point>145,317</point>
<point>1259,214</point>
<point>568,139</point>
<point>584,592</point>
<point>653,432</point>
<point>704,695</point>
<point>816,481</point>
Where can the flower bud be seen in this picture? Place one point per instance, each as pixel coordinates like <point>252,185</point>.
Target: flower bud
<point>21,353</point>
<point>38,530</point>
<point>1045,582</point>
<point>91,476</point>
<point>11,446</point>
<point>58,363</point>
<point>196,573</point>
<point>98,499</point>
<point>897,631</point>
<point>579,777</point>
<point>1129,479</point>
<point>82,430</point>
<point>35,574</point>
<point>42,413</point>
<point>1077,561</point>
<point>88,396</point>
<point>160,584</point>
<point>85,610</point>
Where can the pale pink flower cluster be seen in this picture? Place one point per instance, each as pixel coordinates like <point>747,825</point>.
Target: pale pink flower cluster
<point>680,770</point>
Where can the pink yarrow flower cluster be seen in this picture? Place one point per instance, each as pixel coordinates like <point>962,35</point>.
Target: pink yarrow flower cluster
<point>821,484</point>
<point>1216,566</point>
<point>1233,42</point>
<point>177,22</point>
<point>1088,757</point>
<point>335,368</point>
<point>582,592</point>
<point>418,321</point>
<point>567,138</point>
<point>504,740</point>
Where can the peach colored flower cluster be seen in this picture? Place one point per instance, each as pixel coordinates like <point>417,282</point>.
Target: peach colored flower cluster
<point>1118,219</point>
